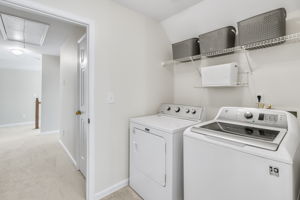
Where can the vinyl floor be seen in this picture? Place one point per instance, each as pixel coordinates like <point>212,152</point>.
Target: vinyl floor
<point>125,193</point>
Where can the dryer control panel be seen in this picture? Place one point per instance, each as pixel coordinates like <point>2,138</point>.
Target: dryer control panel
<point>182,111</point>
<point>264,117</point>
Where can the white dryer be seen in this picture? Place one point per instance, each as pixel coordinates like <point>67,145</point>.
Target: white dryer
<point>156,150</point>
<point>243,154</point>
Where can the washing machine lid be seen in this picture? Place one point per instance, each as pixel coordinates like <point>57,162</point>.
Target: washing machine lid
<point>164,123</point>
<point>258,136</point>
<point>246,131</point>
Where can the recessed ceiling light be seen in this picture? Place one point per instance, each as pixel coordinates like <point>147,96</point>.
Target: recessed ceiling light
<point>17,52</point>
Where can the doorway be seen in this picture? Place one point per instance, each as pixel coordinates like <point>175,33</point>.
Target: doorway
<point>86,127</point>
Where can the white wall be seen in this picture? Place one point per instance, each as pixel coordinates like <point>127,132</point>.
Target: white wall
<point>129,52</point>
<point>129,65</point>
<point>18,89</point>
<point>209,15</point>
<point>69,91</point>
<point>50,94</point>
<point>276,76</point>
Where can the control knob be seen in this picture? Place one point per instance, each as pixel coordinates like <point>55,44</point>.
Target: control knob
<point>248,115</point>
<point>187,111</point>
<point>194,111</point>
<point>177,109</point>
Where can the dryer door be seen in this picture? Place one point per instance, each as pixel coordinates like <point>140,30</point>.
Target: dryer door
<point>149,155</point>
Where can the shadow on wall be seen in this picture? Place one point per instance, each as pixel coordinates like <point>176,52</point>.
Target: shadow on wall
<point>293,22</point>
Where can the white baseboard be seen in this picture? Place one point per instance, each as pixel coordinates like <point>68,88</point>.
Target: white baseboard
<point>16,124</point>
<point>111,189</point>
<point>68,153</point>
<point>49,132</point>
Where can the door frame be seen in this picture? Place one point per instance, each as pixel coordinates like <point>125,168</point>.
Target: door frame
<point>38,8</point>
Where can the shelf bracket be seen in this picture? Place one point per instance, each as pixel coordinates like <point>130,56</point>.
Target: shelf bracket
<point>248,60</point>
<point>195,66</point>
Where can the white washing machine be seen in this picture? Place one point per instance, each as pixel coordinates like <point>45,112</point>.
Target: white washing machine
<point>243,154</point>
<point>156,150</point>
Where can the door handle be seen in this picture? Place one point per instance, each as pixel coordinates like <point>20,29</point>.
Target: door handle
<point>78,112</point>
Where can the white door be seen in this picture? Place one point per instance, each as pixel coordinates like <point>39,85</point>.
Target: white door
<point>149,155</point>
<point>83,102</point>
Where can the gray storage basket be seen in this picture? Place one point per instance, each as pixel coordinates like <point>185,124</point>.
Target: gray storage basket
<point>186,48</point>
<point>216,41</point>
<point>262,27</point>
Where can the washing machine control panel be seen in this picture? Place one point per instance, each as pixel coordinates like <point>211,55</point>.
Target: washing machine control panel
<point>182,111</point>
<point>263,117</point>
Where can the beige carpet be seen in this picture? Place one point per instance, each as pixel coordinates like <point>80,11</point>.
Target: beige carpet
<point>125,193</point>
<point>34,167</point>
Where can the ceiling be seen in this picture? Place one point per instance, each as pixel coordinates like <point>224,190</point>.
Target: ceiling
<point>158,9</point>
<point>57,34</point>
<point>28,61</point>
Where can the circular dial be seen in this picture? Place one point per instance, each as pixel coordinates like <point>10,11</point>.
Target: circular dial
<point>168,108</point>
<point>187,111</point>
<point>177,109</point>
<point>248,115</point>
<point>194,111</point>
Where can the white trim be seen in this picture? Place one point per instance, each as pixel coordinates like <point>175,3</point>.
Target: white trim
<point>68,152</point>
<point>34,7</point>
<point>49,132</point>
<point>38,8</point>
<point>16,124</point>
<point>111,189</point>
<point>82,38</point>
<point>91,174</point>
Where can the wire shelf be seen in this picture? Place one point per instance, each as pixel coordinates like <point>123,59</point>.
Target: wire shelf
<point>295,37</point>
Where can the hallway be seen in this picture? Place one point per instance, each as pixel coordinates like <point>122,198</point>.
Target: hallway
<point>35,167</point>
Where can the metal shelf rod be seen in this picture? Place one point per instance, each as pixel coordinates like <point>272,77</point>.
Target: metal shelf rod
<point>295,37</point>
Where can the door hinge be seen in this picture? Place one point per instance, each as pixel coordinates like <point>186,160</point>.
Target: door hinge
<point>89,120</point>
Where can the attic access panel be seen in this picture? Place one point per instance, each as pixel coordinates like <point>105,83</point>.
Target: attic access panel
<point>23,30</point>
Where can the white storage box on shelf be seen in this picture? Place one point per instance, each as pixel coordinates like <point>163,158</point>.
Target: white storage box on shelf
<point>225,75</point>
